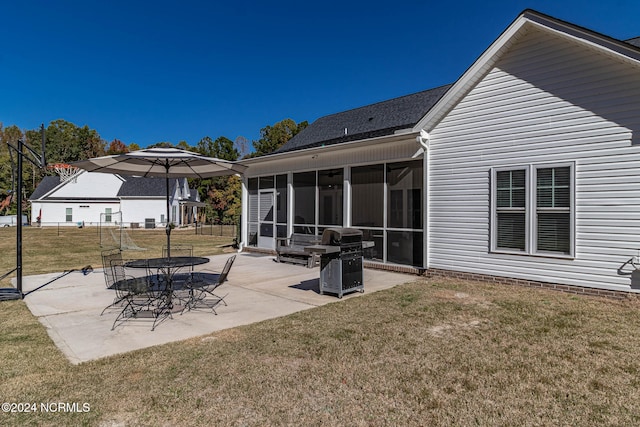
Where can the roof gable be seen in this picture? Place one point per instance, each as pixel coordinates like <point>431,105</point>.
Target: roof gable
<point>84,185</point>
<point>627,51</point>
<point>375,120</point>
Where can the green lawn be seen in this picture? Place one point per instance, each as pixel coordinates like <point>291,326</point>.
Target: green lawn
<point>428,353</point>
<point>56,249</point>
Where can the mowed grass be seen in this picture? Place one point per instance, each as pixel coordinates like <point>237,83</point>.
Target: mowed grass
<point>427,353</point>
<point>57,249</point>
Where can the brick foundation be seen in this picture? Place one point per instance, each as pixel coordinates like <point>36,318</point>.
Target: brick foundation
<point>578,290</point>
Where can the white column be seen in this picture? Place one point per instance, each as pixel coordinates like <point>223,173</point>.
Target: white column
<point>346,197</point>
<point>290,200</point>
<point>244,222</point>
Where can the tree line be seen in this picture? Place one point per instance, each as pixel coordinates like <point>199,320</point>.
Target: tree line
<point>66,142</point>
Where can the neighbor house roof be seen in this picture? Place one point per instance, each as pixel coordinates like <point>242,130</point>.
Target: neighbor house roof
<point>131,187</point>
<point>47,184</point>
<point>135,186</point>
<point>193,195</point>
<point>375,120</point>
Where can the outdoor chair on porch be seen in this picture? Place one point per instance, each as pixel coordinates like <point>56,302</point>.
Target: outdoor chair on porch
<point>203,285</point>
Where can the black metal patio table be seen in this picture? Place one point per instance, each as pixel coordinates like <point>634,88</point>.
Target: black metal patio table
<point>167,266</point>
<point>166,263</point>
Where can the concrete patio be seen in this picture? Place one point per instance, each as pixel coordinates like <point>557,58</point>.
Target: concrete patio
<point>258,289</point>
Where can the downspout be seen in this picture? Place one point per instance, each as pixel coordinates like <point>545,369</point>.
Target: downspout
<point>424,139</point>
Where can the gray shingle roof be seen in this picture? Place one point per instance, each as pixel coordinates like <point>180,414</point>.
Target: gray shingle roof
<point>47,184</point>
<point>634,41</point>
<point>135,186</point>
<point>193,194</point>
<point>131,187</point>
<point>380,119</point>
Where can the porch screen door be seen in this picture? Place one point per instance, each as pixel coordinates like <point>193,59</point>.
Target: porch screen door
<point>266,234</point>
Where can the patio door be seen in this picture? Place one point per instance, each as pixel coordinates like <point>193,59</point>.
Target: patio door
<point>266,227</point>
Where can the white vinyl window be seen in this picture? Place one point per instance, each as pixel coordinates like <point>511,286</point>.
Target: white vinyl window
<point>532,209</point>
<point>511,209</point>
<point>69,214</point>
<point>554,206</point>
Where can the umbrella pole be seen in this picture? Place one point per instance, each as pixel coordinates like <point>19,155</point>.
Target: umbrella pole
<point>168,228</point>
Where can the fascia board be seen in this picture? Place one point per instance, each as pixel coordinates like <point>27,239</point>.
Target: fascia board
<point>332,148</point>
<point>592,39</point>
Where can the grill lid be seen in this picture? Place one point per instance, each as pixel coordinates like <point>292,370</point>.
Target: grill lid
<point>341,236</point>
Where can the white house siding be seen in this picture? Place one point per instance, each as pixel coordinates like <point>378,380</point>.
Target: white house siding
<point>548,99</point>
<point>83,195</point>
<point>55,213</point>
<point>137,210</point>
<point>91,185</point>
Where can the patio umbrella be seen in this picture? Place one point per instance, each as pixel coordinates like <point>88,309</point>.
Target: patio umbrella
<point>162,162</point>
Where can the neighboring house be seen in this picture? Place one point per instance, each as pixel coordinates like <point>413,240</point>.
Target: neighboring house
<point>525,169</point>
<point>90,198</point>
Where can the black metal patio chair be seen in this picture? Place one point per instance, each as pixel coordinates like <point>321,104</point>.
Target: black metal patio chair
<point>181,277</point>
<point>136,292</point>
<point>203,285</point>
<point>109,278</point>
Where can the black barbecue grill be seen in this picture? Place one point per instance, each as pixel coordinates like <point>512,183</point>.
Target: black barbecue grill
<point>340,261</point>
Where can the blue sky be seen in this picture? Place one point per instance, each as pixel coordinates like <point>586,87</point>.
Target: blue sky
<point>145,72</point>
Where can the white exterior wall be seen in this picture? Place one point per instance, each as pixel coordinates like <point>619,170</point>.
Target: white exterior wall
<point>91,184</point>
<point>137,210</point>
<point>55,213</point>
<point>547,100</point>
<point>86,185</point>
<point>92,187</point>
